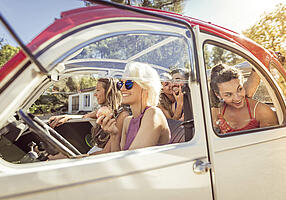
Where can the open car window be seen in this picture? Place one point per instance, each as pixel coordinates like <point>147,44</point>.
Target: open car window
<point>255,90</point>
<point>73,84</point>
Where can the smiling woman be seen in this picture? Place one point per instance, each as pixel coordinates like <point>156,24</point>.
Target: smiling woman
<point>96,55</point>
<point>135,46</point>
<point>147,126</point>
<point>236,112</point>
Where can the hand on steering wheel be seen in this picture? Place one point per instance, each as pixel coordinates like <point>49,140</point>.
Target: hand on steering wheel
<point>49,135</point>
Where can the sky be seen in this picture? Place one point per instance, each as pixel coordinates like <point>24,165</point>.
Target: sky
<point>30,17</point>
<point>236,15</point>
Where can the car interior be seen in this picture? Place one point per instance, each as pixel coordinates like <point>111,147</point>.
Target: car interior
<point>28,138</point>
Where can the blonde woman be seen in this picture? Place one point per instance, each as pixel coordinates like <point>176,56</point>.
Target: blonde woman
<point>140,88</point>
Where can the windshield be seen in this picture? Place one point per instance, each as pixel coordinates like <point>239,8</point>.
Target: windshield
<point>87,54</point>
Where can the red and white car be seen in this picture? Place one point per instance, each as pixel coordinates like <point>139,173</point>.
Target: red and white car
<point>97,41</point>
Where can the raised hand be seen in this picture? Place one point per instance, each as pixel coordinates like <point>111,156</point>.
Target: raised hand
<point>108,124</point>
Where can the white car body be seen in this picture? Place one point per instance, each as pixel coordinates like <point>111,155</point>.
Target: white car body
<point>248,165</point>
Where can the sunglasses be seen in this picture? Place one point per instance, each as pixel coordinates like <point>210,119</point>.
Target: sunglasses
<point>128,84</point>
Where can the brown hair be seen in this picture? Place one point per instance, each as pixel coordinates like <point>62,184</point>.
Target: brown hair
<point>221,73</point>
<point>166,103</point>
<point>113,100</point>
<point>181,71</point>
<point>113,97</point>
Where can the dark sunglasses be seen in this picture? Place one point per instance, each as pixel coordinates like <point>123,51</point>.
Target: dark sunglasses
<point>128,84</point>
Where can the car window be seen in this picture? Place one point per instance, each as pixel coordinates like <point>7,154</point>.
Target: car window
<point>76,90</point>
<point>236,90</point>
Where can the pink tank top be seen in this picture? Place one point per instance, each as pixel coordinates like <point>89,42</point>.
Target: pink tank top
<point>226,128</point>
<point>133,128</point>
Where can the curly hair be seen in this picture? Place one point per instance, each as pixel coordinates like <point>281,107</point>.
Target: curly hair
<point>222,73</point>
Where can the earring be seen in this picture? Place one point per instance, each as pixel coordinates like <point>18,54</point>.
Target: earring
<point>220,99</point>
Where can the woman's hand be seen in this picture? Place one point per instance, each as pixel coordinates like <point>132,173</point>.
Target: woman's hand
<point>178,110</point>
<point>178,94</point>
<point>56,121</point>
<point>108,124</point>
<point>90,115</point>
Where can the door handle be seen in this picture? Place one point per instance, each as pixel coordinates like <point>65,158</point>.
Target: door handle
<point>200,167</point>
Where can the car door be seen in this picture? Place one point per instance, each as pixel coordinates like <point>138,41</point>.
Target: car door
<point>247,164</point>
<point>173,171</point>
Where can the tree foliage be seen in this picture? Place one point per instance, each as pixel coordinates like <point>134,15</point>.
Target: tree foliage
<point>55,99</point>
<point>172,53</point>
<point>6,52</point>
<point>167,5</point>
<point>215,55</point>
<point>270,30</point>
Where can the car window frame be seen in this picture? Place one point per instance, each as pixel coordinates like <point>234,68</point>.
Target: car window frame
<point>269,81</point>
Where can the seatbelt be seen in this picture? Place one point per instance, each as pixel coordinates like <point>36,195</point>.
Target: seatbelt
<point>188,122</point>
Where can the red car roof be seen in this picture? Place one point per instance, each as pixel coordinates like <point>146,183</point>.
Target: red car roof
<point>73,18</point>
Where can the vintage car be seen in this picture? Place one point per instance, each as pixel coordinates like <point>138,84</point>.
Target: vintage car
<point>97,41</point>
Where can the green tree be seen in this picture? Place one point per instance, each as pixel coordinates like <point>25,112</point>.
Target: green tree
<point>6,52</point>
<point>167,5</point>
<point>55,99</point>
<point>215,55</point>
<point>270,30</point>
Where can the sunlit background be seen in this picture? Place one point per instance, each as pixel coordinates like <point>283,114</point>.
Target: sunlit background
<point>260,20</point>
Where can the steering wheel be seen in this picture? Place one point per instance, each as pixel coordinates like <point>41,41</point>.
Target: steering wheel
<point>48,134</point>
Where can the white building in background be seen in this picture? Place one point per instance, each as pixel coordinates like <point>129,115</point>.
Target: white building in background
<point>81,102</point>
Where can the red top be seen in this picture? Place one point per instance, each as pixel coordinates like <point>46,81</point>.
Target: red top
<point>226,128</point>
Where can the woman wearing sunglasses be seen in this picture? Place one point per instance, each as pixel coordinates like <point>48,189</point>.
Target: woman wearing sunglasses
<point>107,95</point>
<point>140,88</point>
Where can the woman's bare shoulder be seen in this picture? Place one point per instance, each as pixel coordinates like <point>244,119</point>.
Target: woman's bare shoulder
<point>123,115</point>
<point>259,106</point>
<point>154,110</point>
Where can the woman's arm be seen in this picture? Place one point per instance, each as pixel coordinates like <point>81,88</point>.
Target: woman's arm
<point>252,84</point>
<point>124,130</point>
<point>56,121</point>
<point>166,113</point>
<point>180,103</point>
<point>265,115</point>
<point>115,140</point>
<point>90,115</point>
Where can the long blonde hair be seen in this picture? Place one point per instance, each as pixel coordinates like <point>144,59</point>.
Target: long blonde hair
<point>113,96</point>
<point>113,100</point>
